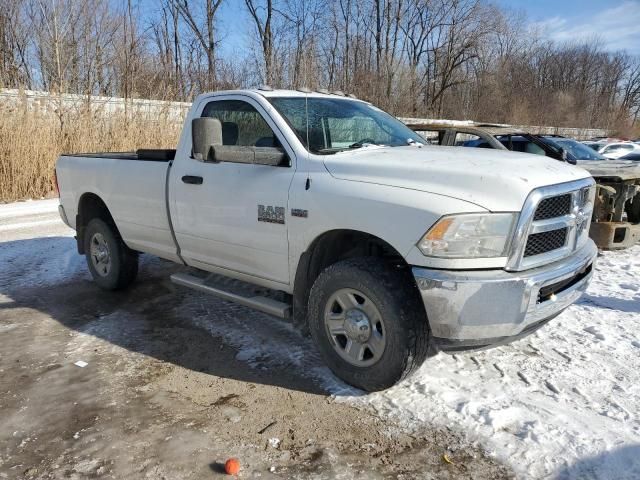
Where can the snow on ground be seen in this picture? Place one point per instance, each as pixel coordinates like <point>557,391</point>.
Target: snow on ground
<point>549,403</point>
<point>42,262</point>
<point>561,403</point>
<point>30,207</point>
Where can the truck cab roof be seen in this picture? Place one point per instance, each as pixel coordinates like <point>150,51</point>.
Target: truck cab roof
<point>267,92</point>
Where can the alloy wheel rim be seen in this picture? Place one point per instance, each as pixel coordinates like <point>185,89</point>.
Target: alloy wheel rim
<point>355,327</point>
<point>100,254</point>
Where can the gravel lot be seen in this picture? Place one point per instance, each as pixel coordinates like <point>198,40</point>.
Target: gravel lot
<point>176,382</point>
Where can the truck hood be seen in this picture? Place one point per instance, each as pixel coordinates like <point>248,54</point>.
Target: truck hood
<point>492,179</point>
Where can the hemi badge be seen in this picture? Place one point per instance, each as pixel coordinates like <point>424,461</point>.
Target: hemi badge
<point>297,212</point>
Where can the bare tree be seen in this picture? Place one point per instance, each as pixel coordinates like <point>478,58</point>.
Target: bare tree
<point>14,39</point>
<point>204,31</point>
<point>453,58</point>
<point>630,95</point>
<point>262,15</point>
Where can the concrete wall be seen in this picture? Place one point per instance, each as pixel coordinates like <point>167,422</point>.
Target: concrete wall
<point>50,103</point>
<point>47,102</point>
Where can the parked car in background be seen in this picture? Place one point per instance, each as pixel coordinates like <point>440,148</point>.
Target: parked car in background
<point>619,149</point>
<point>616,220</point>
<point>576,150</point>
<point>635,156</point>
<point>595,145</point>
<point>484,135</point>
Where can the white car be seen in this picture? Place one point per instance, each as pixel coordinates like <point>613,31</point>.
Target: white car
<point>379,245</point>
<point>619,149</point>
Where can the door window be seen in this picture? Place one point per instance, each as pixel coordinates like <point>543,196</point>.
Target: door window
<point>520,144</point>
<point>617,148</point>
<point>242,124</point>
<point>467,140</point>
<point>433,137</point>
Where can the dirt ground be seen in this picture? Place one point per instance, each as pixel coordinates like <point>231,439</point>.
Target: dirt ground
<point>167,394</point>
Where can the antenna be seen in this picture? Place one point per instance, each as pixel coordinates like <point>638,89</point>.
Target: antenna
<point>306,111</point>
<point>306,108</point>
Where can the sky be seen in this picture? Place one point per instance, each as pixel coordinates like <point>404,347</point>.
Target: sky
<point>615,22</point>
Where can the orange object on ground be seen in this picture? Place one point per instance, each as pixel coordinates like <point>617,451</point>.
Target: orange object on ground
<point>232,466</point>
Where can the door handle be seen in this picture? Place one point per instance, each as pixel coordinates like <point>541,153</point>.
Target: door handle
<point>192,179</point>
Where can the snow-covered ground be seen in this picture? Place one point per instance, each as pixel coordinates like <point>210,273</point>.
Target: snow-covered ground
<point>564,401</point>
<point>561,403</point>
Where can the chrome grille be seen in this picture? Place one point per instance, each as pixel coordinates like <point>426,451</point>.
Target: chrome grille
<point>553,207</point>
<point>583,197</point>
<point>553,224</point>
<point>544,242</point>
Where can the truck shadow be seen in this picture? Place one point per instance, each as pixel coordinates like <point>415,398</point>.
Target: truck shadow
<point>159,320</point>
<point>620,463</point>
<point>612,303</point>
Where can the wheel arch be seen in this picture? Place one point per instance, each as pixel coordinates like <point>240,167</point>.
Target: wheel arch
<point>328,248</point>
<point>91,206</point>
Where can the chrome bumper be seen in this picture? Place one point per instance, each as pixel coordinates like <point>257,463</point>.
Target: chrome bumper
<point>474,309</point>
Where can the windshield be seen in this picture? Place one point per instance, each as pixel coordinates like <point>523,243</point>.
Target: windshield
<point>336,124</point>
<point>594,146</point>
<point>577,150</point>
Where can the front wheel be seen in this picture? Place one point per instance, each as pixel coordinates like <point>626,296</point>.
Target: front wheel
<point>367,320</point>
<point>112,264</point>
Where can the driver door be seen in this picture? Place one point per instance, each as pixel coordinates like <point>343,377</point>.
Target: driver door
<point>235,219</point>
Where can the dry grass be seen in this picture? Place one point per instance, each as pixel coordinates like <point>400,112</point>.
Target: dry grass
<point>31,141</point>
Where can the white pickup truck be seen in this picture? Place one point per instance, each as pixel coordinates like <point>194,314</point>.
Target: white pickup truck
<point>379,245</point>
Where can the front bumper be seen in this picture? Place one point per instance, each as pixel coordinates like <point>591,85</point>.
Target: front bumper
<point>476,309</point>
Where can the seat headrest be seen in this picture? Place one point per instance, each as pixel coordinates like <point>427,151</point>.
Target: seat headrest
<point>229,133</point>
<point>266,142</point>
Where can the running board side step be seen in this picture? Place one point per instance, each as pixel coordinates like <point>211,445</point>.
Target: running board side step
<point>263,304</point>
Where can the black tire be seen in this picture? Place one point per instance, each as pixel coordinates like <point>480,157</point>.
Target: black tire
<point>394,293</point>
<point>123,262</point>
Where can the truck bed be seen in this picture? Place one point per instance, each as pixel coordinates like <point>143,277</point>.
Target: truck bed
<point>132,184</point>
<point>145,155</point>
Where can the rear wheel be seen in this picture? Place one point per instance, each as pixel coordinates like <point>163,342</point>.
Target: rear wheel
<point>368,322</point>
<point>112,264</point>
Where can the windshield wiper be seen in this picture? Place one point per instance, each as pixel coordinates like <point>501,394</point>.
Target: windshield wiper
<point>363,144</point>
<point>353,146</point>
<point>329,151</point>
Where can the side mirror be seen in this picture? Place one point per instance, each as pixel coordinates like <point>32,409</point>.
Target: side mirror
<point>274,156</point>
<point>271,156</point>
<point>206,133</point>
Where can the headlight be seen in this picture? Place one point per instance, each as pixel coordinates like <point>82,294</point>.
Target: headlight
<point>473,235</point>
